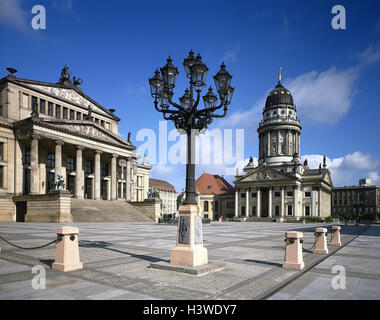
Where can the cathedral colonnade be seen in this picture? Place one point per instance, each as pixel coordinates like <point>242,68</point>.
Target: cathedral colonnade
<point>278,202</point>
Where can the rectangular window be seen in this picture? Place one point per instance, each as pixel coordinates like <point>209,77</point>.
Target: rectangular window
<point>277,194</point>
<point>242,195</point>
<point>50,108</point>
<point>1,177</point>
<point>290,210</point>
<point>79,116</point>
<point>88,166</point>
<point>205,206</point>
<point>42,106</point>
<point>58,111</point>
<point>34,102</point>
<point>289,193</point>
<point>1,110</point>
<point>243,210</point>
<point>51,160</point>
<point>307,194</point>
<point>72,115</point>
<point>97,121</point>
<point>254,195</point>
<point>253,211</point>
<point>1,151</point>
<point>71,164</point>
<point>104,170</point>
<point>25,100</point>
<point>27,156</point>
<point>307,210</point>
<point>277,210</point>
<point>64,113</point>
<point>102,123</point>
<point>216,206</point>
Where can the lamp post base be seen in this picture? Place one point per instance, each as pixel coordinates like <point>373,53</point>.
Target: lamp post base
<point>189,250</point>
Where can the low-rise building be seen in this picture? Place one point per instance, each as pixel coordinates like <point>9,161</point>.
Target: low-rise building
<point>167,194</point>
<point>361,199</point>
<point>216,196</point>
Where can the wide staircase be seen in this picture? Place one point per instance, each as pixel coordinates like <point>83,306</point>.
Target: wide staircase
<point>84,210</point>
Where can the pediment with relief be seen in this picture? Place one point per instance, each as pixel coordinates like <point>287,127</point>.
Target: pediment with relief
<point>262,174</point>
<point>70,95</point>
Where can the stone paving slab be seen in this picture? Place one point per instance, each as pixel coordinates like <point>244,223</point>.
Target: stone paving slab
<point>117,257</point>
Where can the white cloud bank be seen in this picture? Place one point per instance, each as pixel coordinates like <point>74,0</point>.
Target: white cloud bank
<point>12,15</point>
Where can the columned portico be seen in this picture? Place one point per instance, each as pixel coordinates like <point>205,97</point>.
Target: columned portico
<point>79,188</point>
<point>34,166</point>
<point>113,177</point>
<point>97,175</point>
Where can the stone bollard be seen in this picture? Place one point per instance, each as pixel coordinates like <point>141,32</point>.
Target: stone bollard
<point>335,236</point>
<point>293,251</point>
<point>67,250</point>
<point>320,241</point>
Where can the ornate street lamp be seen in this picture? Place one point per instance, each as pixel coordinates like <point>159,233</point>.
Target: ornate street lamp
<point>190,119</point>
<point>187,116</point>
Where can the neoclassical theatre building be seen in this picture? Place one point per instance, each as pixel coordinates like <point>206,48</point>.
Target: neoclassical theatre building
<point>281,186</point>
<point>51,129</point>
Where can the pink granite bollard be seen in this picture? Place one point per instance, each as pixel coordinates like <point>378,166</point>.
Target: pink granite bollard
<point>67,250</point>
<point>335,236</point>
<point>293,251</point>
<point>320,241</point>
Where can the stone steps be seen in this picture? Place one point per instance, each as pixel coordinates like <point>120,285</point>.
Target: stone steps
<point>85,210</point>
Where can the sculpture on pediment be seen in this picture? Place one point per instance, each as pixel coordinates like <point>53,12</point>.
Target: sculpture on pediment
<point>260,176</point>
<point>129,136</point>
<point>89,115</point>
<point>77,82</point>
<point>65,75</point>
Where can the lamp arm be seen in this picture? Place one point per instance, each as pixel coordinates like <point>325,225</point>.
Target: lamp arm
<point>198,98</point>
<point>174,104</point>
<point>219,115</point>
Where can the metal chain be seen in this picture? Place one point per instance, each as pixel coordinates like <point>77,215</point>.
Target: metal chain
<point>39,247</point>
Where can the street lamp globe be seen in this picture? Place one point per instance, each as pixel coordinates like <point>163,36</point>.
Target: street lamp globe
<point>188,63</point>
<point>156,85</point>
<point>222,80</point>
<point>210,99</point>
<point>185,99</point>
<point>198,72</point>
<point>230,92</point>
<point>169,73</point>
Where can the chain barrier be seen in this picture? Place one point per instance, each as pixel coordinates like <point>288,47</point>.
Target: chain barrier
<point>31,248</point>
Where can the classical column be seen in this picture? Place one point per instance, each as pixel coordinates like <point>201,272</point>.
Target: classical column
<point>288,142</point>
<point>270,202</point>
<point>19,177</point>
<point>79,175</point>
<point>295,194</point>
<point>319,202</point>
<point>58,159</point>
<point>113,177</point>
<point>258,205</point>
<point>97,175</point>
<point>121,190</point>
<point>313,203</point>
<point>247,203</point>
<point>278,143</point>
<point>128,181</point>
<point>236,202</point>
<point>268,144</point>
<point>34,172</point>
<point>282,202</point>
<point>299,143</point>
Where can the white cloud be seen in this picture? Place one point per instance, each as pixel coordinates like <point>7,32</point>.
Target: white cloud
<point>375,177</point>
<point>231,54</point>
<point>324,97</point>
<point>12,15</point>
<point>344,169</point>
<point>371,55</point>
<point>162,171</point>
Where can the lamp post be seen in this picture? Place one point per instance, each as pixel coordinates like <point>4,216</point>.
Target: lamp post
<point>190,119</point>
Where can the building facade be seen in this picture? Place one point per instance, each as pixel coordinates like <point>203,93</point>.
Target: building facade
<point>362,199</point>
<point>51,129</point>
<point>167,194</point>
<point>280,186</point>
<point>216,196</point>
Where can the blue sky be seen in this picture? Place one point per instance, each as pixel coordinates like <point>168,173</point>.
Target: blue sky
<point>115,46</point>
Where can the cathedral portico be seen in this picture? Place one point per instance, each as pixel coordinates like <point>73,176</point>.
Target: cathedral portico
<point>280,186</point>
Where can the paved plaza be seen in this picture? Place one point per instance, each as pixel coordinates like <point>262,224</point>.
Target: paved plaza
<point>116,258</point>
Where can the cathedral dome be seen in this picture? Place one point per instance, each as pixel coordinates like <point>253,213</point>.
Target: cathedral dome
<point>279,95</point>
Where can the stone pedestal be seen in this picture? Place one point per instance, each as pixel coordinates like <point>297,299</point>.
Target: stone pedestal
<point>335,236</point>
<point>67,250</point>
<point>189,250</point>
<point>320,241</point>
<point>293,251</point>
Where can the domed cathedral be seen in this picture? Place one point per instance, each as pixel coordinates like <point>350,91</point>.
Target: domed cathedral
<point>280,186</point>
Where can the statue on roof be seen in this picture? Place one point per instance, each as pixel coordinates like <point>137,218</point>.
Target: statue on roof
<point>129,136</point>
<point>305,163</point>
<point>324,162</point>
<point>77,82</point>
<point>65,75</point>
